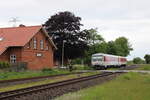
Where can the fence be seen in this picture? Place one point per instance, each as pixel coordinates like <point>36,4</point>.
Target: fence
<point>18,66</point>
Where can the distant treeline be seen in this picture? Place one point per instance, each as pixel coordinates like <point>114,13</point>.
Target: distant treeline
<point>138,60</point>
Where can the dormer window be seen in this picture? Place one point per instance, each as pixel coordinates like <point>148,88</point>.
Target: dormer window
<point>34,43</point>
<point>41,44</point>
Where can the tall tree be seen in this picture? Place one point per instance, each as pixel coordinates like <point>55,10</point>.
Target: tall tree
<point>111,48</point>
<point>123,47</point>
<point>64,28</point>
<point>147,58</point>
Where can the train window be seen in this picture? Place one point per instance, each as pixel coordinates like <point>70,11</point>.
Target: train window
<point>96,59</point>
<point>100,59</point>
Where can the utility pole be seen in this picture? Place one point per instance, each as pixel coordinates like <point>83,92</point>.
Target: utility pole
<point>62,62</point>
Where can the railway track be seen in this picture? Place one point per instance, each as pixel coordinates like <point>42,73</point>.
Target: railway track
<point>4,83</point>
<point>130,67</point>
<point>49,91</point>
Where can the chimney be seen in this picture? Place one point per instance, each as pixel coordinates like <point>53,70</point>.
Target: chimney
<point>21,25</point>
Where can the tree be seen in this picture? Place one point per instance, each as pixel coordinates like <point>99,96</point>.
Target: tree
<point>138,60</point>
<point>111,48</point>
<point>123,47</point>
<point>147,58</point>
<point>93,36</point>
<point>64,27</point>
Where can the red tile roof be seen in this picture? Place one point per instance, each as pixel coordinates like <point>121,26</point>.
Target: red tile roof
<point>16,36</point>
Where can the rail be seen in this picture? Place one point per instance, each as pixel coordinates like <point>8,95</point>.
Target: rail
<point>29,91</point>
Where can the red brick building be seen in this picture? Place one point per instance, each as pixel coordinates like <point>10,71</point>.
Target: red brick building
<point>30,44</point>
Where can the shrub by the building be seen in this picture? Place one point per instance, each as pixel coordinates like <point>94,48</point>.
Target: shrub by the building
<point>4,65</point>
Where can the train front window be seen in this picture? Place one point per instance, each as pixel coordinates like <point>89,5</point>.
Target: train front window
<point>94,59</point>
<point>97,59</point>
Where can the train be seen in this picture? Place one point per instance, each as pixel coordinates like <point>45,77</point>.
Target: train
<point>104,61</point>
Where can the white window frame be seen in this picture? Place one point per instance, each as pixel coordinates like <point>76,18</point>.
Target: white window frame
<point>34,43</point>
<point>41,44</point>
<point>13,58</point>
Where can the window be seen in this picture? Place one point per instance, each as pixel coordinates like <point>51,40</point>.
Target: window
<point>41,44</point>
<point>97,59</point>
<point>47,47</point>
<point>13,58</point>
<point>34,43</point>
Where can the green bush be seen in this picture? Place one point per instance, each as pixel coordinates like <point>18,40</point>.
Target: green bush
<point>82,67</point>
<point>4,65</point>
<point>88,68</point>
<point>47,70</point>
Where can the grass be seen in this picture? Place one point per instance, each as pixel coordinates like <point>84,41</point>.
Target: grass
<point>56,79</point>
<point>112,68</point>
<point>144,67</point>
<point>82,67</point>
<point>27,74</point>
<point>130,86</point>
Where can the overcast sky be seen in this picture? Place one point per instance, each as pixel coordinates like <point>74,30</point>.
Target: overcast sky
<point>113,18</point>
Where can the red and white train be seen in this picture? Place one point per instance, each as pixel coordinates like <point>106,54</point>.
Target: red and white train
<point>103,61</point>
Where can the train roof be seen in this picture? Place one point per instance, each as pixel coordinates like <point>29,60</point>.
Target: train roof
<point>103,54</point>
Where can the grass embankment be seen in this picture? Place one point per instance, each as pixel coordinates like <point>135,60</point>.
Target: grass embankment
<point>28,74</point>
<point>55,79</point>
<point>144,67</point>
<point>130,86</point>
<point>82,67</point>
<point>5,75</point>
